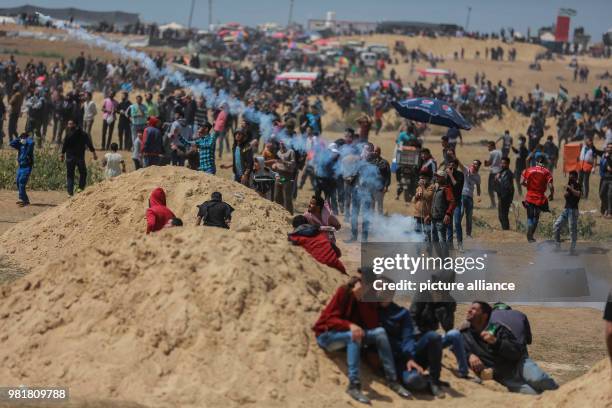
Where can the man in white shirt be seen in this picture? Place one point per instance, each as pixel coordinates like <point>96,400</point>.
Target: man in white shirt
<point>494,164</point>
<point>471,180</point>
<point>89,113</point>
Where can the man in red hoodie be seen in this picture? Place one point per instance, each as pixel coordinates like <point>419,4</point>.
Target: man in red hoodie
<point>158,215</point>
<point>348,321</point>
<point>316,243</point>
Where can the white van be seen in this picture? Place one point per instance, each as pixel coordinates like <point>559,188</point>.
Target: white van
<point>368,58</point>
<point>379,49</point>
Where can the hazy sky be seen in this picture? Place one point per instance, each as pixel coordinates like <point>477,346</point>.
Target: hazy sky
<point>487,15</point>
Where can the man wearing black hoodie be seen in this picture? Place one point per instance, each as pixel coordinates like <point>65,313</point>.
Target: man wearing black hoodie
<point>73,152</point>
<point>215,212</point>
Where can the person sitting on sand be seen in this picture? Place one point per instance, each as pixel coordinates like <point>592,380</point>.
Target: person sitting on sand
<point>430,312</point>
<point>316,242</point>
<point>158,215</point>
<point>412,355</point>
<point>349,322</point>
<point>215,212</point>
<point>493,345</point>
<point>319,213</point>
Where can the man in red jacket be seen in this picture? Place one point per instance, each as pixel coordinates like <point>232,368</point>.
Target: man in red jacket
<point>158,215</point>
<point>348,321</point>
<point>316,243</point>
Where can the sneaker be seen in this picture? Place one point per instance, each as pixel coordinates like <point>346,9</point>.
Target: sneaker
<point>399,389</point>
<point>460,247</point>
<point>350,240</point>
<point>354,390</point>
<point>466,376</point>
<point>436,389</point>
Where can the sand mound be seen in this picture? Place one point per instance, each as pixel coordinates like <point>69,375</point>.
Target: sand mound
<point>185,317</point>
<point>113,210</point>
<point>593,389</point>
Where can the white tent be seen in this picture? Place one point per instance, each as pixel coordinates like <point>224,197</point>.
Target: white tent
<point>547,37</point>
<point>7,20</point>
<point>172,26</point>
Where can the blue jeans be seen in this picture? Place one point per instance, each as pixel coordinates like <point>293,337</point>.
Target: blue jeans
<point>454,340</point>
<point>438,231</point>
<point>570,216</point>
<point>336,340</point>
<point>422,228</point>
<point>531,380</point>
<point>23,175</point>
<point>361,200</point>
<point>456,222</point>
<point>428,353</point>
<point>349,191</point>
<point>467,205</point>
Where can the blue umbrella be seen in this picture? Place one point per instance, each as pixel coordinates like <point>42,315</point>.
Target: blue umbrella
<point>434,111</point>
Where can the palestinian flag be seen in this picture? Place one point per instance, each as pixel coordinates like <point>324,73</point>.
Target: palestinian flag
<point>563,93</point>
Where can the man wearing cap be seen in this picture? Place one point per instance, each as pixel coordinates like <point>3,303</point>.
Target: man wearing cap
<point>518,323</point>
<point>537,179</point>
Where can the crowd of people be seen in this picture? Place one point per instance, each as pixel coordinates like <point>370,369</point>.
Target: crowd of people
<point>276,145</point>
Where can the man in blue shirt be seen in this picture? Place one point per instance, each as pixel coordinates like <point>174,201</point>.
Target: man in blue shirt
<point>25,161</point>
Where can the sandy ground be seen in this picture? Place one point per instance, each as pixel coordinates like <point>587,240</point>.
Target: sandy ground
<point>211,292</point>
<point>567,342</point>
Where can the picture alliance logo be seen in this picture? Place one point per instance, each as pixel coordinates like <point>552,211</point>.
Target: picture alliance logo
<point>412,264</point>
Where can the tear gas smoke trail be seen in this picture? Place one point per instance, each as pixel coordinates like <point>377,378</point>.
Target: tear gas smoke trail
<point>395,228</point>
<point>198,88</point>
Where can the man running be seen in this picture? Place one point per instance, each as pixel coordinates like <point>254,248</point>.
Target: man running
<point>537,179</point>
